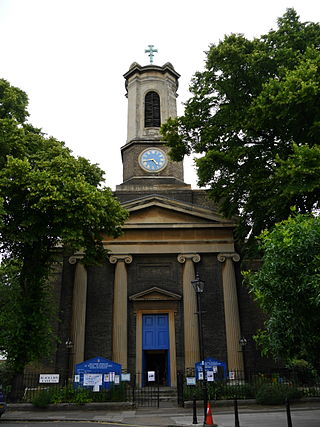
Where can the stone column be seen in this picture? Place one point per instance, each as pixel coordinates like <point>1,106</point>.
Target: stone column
<point>120,313</point>
<point>79,306</point>
<point>231,311</point>
<point>191,327</point>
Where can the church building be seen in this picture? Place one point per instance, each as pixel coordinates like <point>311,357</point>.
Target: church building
<point>139,308</point>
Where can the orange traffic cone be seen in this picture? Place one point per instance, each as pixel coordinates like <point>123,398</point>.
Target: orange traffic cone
<point>209,418</point>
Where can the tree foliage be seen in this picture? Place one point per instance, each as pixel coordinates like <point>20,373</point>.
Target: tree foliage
<point>254,110</point>
<point>287,288</point>
<point>49,199</point>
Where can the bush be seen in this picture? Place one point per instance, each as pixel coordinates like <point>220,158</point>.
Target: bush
<point>311,391</point>
<point>82,396</point>
<point>69,394</point>
<point>42,399</point>
<point>116,393</point>
<point>63,395</point>
<point>6,377</point>
<point>220,390</point>
<point>241,391</point>
<point>274,394</point>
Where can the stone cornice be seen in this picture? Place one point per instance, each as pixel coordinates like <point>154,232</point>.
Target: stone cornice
<point>178,206</point>
<point>136,68</point>
<point>155,294</point>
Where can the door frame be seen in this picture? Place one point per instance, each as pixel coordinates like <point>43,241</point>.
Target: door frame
<point>172,343</point>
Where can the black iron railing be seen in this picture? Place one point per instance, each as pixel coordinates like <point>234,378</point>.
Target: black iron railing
<point>143,391</point>
<point>251,384</point>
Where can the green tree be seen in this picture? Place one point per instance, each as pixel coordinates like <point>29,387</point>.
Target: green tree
<point>252,103</point>
<point>49,199</point>
<point>287,288</point>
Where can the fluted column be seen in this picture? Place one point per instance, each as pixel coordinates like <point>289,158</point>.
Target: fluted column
<point>231,311</point>
<point>191,328</point>
<point>120,314</point>
<point>79,306</point>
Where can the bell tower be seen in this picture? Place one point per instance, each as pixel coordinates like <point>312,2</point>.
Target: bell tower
<point>151,91</point>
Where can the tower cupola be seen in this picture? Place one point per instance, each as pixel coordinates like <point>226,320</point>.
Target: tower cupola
<point>151,91</point>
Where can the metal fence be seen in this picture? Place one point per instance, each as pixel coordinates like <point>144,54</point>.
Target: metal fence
<point>141,391</point>
<point>29,387</point>
<point>248,384</point>
<point>145,392</point>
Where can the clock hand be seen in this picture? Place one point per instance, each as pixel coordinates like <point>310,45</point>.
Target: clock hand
<point>153,161</point>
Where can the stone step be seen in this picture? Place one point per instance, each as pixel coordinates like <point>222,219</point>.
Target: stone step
<point>167,394</point>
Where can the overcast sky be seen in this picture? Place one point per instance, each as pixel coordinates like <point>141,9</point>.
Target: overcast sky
<point>70,57</point>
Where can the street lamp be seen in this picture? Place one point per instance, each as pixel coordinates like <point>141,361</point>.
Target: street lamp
<point>243,342</point>
<point>198,286</point>
<point>69,345</point>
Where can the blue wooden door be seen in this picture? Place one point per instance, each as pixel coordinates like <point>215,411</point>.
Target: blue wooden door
<point>155,346</point>
<point>155,332</point>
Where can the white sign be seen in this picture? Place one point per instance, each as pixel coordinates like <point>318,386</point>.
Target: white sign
<point>191,381</point>
<point>210,376</point>
<point>125,377</point>
<point>49,378</point>
<point>151,375</point>
<point>232,375</point>
<point>200,375</point>
<point>117,379</point>
<point>77,378</point>
<point>92,380</point>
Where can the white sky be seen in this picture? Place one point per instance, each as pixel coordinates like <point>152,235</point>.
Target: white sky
<point>70,57</point>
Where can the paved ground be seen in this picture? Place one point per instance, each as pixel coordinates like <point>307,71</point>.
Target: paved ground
<point>303,415</point>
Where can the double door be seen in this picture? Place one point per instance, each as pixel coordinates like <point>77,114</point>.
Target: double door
<point>155,347</point>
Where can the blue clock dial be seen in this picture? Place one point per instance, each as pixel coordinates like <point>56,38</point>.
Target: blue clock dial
<point>153,159</point>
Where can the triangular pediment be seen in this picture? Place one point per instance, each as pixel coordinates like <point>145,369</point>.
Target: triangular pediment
<point>155,294</point>
<point>156,209</point>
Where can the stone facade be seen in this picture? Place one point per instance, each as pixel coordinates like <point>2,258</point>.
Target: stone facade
<point>172,233</point>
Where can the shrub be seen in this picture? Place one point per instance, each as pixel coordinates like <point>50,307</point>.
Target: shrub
<point>241,391</point>
<point>63,395</point>
<point>82,396</point>
<point>6,377</point>
<point>274,394</point>
<point>311,391</point>
<point>42,399</point>
<point>220,390</point>
<point>69,394</point>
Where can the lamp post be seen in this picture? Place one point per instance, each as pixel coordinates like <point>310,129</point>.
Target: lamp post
<point>243,342</point>
<point>198,286</point>
<point>69,345</point>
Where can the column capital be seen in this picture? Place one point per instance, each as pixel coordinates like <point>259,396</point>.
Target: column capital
<point>231,255</point>
<point>122,258</point>
<point>183,257</point>
<point>74,258</point>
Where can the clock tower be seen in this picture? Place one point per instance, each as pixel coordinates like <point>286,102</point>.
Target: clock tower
<point>151,92</point>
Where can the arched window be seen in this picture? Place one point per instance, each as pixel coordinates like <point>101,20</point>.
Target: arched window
<point>152,110</point>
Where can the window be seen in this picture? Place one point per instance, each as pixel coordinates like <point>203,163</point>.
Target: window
<point>152,110</point>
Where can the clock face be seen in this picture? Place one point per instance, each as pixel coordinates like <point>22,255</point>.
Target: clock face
<point>153,160</point>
